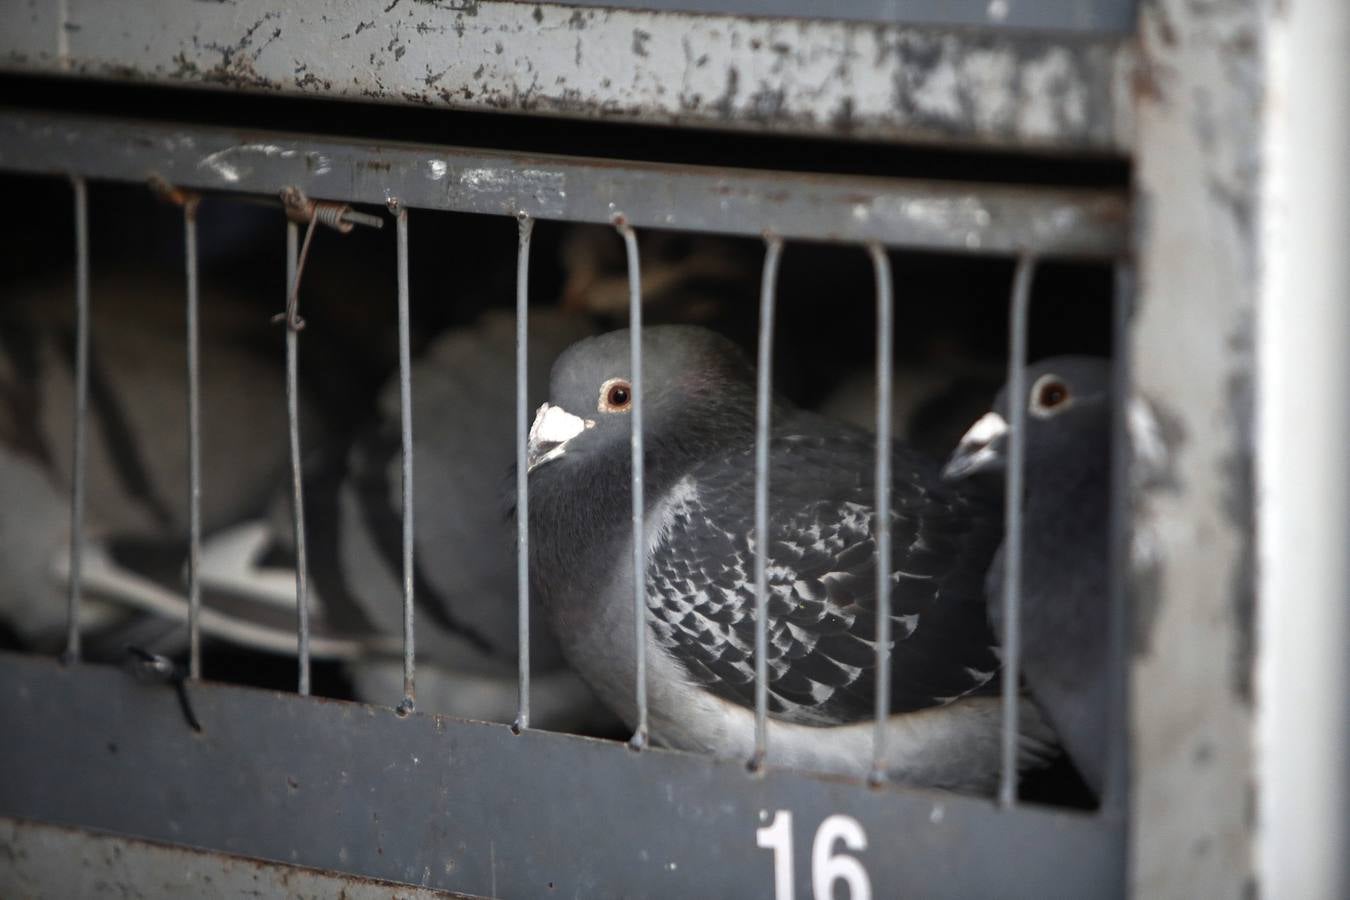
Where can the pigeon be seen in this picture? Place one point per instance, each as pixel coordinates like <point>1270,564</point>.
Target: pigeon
<point>464,430</point>
<point>1065,588</point>
<point>136,505</point>
<point>932,400</point>
<point>699,413</point>
<point>685,277</point>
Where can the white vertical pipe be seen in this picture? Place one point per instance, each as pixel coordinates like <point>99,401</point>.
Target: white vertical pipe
<point>1303,457</point>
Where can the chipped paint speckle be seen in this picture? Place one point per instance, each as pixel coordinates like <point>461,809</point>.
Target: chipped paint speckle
<point>233,163</point>
<point>870,81</point>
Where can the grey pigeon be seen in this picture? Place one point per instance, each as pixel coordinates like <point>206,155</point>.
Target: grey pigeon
<point>136,479</point>
<point>464,429</point>
<point>699,412</point>
<point>1064,612</point>
<point>685,277</point>
<point>932,400</point>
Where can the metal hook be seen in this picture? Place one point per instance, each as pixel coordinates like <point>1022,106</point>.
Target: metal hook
<point>155,668</point>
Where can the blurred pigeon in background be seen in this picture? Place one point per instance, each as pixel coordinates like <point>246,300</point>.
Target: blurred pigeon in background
<point>932,400</point>
<point>136,509</point>
<point>685,277</point>
<point>1065,593</point>
<point>464,433</point>
<point>699,413</point>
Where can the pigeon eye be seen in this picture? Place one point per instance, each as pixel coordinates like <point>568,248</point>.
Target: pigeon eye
<point>616,395</point>
<point>1049,394</point>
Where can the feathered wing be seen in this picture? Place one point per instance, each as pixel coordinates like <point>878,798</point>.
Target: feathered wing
<point>822,581</point>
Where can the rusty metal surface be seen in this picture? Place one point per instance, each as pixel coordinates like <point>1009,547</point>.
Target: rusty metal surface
<point>1199,172</point>
<point>38,860</point>
<point>929,214</point>
<point>966,86</point>
<point>456,805</point>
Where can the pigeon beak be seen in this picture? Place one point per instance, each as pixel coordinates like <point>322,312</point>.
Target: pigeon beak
<point>980,449</point>
<point>553,427</point>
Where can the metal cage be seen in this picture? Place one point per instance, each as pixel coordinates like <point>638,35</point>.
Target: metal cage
<point>392,794</point>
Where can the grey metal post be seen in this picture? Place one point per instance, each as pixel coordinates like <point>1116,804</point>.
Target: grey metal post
<point>80,441</point>
<point>194,442</point>
<point>1012,511</point>
<point>1115,785</point>
<point>522,468</point>
<point>639,739</point>
<point>297,475</point>
<point>763,406</point>
<point>885,365</point>
<point>406,440</point>
<point>1198,170</point>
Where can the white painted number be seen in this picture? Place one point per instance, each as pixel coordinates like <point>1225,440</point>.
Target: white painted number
<point>827,867</point>
<point>777,836</point>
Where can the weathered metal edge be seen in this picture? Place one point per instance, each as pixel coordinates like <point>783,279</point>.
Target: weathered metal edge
<point>1071,16</point>
<point>1202,247</point>
<point>936,215</point>
<point>471,807</point>
<point>42,860</point>
<point>960,86</point>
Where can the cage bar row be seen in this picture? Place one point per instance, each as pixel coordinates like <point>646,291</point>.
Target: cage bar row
<point>295,256</point>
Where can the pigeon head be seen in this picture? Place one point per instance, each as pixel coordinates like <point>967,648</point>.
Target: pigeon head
<point>1066,395</point>
<point>697,385</point>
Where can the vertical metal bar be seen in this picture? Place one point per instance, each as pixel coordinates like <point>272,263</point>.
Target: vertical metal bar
<point>768,290</point>
<point>1117,712</point>
<point>1012,511</point>
<point>1302,486</point>
<point>882,533</point>
<point>405,418</point>
<point>522,469</point>
<point>297,486</point>
<point>194,443</point>
<point>639,739</point>
<point>80,437</point>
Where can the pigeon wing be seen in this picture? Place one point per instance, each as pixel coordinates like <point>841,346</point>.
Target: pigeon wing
<point>822,604</point>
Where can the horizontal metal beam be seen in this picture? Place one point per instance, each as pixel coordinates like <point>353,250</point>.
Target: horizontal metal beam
<point>937,215</point>
<point>52,861</point>
<point>472,807</point>
<point>1075,16</point>
<point>889,82</point>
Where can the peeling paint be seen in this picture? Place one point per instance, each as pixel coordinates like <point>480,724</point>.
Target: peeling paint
<point>1198,172</point>
<point>233,163</point>
<point>1071,223</point>
<point>888,82</point>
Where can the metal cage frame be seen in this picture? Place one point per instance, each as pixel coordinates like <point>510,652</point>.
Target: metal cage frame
<point>968,218</point>
<point>1199,336</point>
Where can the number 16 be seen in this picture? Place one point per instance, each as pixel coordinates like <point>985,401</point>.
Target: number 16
<point>827,867</point>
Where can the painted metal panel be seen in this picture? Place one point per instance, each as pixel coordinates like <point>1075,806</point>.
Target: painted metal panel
<point>1199,171</point>
<point>472,807</point>
<point>51,861</point>
<point>932,214</point>
<point>815,77</point>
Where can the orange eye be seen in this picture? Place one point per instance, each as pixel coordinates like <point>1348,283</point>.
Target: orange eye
<point>1053,395</point>
<point>616,395</point>
<point>1049,394</point>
